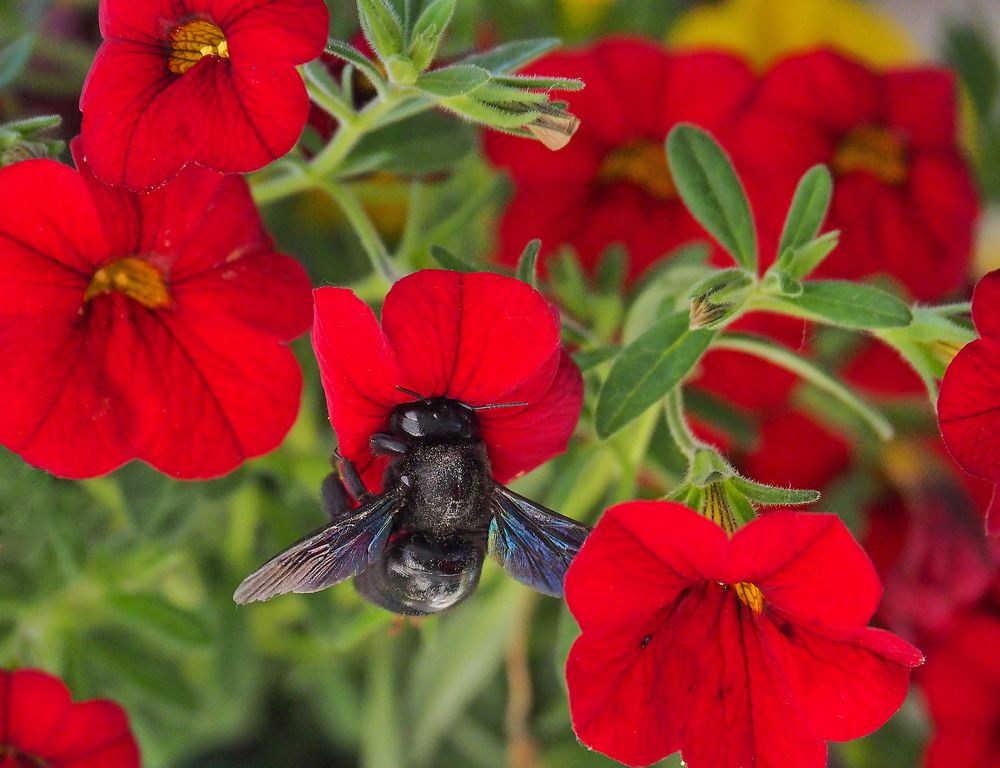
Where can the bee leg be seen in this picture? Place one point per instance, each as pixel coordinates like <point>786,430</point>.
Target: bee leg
<point>336,502</point>
<point>386,445</point>
<point>351,480</point>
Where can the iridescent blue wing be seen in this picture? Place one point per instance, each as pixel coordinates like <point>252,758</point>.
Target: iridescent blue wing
<point>533,544</point>
<point>331,554</point>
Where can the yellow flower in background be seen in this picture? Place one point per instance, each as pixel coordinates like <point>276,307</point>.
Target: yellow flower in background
<point>581,15</point>
<point>765,30</point>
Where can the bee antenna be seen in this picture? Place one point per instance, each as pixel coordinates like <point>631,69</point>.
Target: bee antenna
<point>411,393</point>
<point>497,405</point>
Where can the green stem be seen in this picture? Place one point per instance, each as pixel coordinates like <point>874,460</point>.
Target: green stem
<point>371,242</point>
<point>351,132</point>
<point>806,370</point>
<point>329,102</point>
<point>673,407</point>
<point>958,308</point>
<point>280,185</point>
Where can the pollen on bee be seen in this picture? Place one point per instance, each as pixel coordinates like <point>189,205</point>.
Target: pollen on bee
<point>133,277</point>
<point>193,41</point>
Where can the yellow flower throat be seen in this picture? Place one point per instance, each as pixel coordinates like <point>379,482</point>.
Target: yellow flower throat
<point>193,41</point>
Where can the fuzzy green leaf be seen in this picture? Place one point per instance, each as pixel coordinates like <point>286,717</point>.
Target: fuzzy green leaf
<point>809,208</point>
<point>712,192</point>
<point>849,305</point>
<point>456,80</point>
<point>647,369</point>
<point>506,58</point>
<point>527,264</point>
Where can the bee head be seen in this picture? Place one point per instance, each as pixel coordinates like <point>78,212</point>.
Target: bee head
<point>438,418</point>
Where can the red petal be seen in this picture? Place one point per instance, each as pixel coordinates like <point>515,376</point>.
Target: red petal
<point>638,559</point>
<point>613,705</point>
<point>224,392</point>
<point>472,337</point>
<point>95,735</point>
<point>986,305</point>
<point>969,408</point>
<point>846,683</point>
<point>148,21</point>
<point>807,565</point>
<point>359,373</point>
<point>731,705</point>
<point>796,451</point>
<point>38,704</point>
<point>520,439</point>
<point>64,409</point>
<point>138,118</point>
<point>259,31</point>
<point>204,232</point>
<point>825,88</point>
<point>243,116</point>
<point>922,104</point>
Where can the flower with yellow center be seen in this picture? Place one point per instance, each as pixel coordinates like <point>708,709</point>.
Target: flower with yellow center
<point>764,31</point>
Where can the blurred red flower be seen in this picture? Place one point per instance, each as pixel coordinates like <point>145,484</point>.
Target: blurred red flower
<point>905,200</point>
<point>41,726</point>
<point>143,326</point>
<point>752,650</point>
<point>969,402</point>
<point>211,82</point>
<point>612,184</point>
<point>797,451</point>
<point>960,685</point>
<point>480,338</point>
<point>925,535</point>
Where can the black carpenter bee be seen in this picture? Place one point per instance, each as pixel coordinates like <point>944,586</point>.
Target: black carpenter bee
<point>418,547</point>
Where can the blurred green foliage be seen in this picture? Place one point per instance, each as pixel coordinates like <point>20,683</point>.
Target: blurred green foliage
<point>123,584</point>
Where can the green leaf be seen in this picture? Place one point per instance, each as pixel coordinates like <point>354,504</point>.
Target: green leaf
<point>540,82</point>
<point>527,264</point>
<point>809,208</point>
<point>586,359</point>
<point>800,262</point>
<point>137,665</point>
<point>456,80</point>
<point>14,58</point>
<point>456,663</point>
<point>647,369</point>
<point>427,143</point>
<point>971,51</point>
<point>849,305</point>
<point>506,58</point>
<point>712,192</point>
<point>382,28</point>
<point>448,260</point>
<point>428,31</point>
<point>353,56</point>
<point>770,495</point>
<point>153,614</point>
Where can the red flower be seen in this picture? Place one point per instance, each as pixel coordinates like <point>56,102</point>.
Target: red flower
<point>744,651</point>
<point>211,82</point>
<point>962,687</point>
<point>143,326</point>
<point>925,536</point>
<point>905,200</point>
<point>40,726</point>
<point>969,402</point>
<point>481,338</point>
<point>611,184</point>
<point>796,451</point>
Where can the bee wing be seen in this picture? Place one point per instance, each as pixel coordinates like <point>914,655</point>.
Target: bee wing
<point>533,544</point>
<point>331,554</point>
